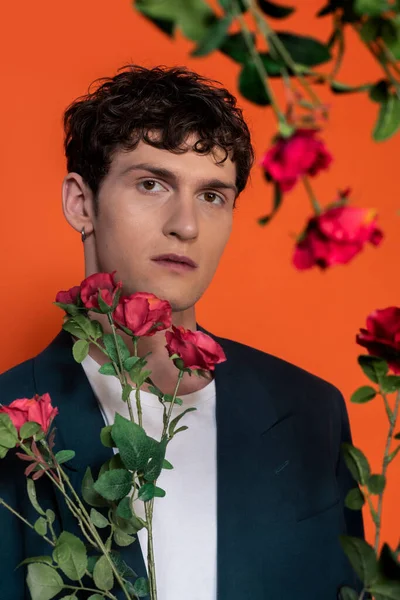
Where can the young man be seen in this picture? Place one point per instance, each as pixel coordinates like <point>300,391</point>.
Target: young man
<point>254,508</point>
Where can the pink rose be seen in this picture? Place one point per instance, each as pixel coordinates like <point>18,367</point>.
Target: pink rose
<point>37,409</point>
<point>196,349</point>
<point>102,283</point>
<point>336,236</point>
<point>70,296</point>
<point>382,336</point>
<point>143,314</point>
<point>291,158</point>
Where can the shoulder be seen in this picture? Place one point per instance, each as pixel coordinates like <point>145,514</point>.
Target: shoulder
<point>17,382</point>
<point>288,381</point>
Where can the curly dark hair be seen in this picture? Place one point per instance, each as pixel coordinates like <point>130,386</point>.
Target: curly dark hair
<point>123,109</point>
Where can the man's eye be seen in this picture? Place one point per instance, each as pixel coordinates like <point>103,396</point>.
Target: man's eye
<point>149,184</point>
<point>211,197</point>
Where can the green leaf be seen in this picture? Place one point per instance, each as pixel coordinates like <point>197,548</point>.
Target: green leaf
<point>80,350</point>
<point>103,575</point>
<point>388,121</point>
<point>123,568</point>
<point>73,328</point>
<point>276,205</point>
<point>141,587</point>
<point>356,462</point>
<point>83,322</point>
<point>338,87</point>
<point>43,581</point>
<point>64,455</point>
<point>393,454</point>
<point>192,16</point>
<point>174,422</point>
<point>379,92</point>
<point>235,47</point>
<point>373,367</point>
<point>106,437</point>
<point>8,432</point>
<point>347,593</point>
<point>372,8</point>
<point>108,369</point>
<point>159,492</point>
<point>50,516</point>
<point>305,50</point>
<point>146,492</point>
<point>276,11</point>
<point>124,508</point>
<point>376,484</point>
<point>155,464</point>
<point>362,558</point>
<point>169,397</point>
<point>363,394</point>
<point>3,451</point>
<point>36,559</point>
<point>229,5</point>
<point>114,484</point>
<point>29,429</point>
<point>251,86</point>
<point>126,392</point>
<point>96,329</point>
<point>123,539</point>
<point>370,30</point>
<point>98,519</point>
<point>40,526</point>
<point>132,442</point>
<point>112,348</point>
<point>70,555</point>
<point>96,597</point>
<point>214,38</point>
<point>354,499</point>
<point>30,488</point>
<point>390,383</point>
<point>167,464</point>
<point>165,25</point>
<point>89,494</point>
<point>388,590</point>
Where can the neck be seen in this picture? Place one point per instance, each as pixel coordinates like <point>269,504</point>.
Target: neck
<point>164,374</point>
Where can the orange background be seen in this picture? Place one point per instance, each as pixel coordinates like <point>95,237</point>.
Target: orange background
<point>51,52</point>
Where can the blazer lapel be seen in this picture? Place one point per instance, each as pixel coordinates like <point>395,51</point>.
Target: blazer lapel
<point>253,436</point>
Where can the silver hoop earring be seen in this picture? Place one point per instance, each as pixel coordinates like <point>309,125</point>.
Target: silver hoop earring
<point>83,234</point>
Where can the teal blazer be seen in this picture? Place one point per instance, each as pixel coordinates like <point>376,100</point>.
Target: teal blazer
<point>281,480</point>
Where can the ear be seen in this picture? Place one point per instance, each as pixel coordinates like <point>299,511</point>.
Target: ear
<point>78,203</point>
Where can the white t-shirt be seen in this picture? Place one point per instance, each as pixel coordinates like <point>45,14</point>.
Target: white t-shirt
<point>185,520</point>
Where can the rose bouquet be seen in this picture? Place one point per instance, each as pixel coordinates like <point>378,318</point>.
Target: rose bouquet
<point>106,510</point>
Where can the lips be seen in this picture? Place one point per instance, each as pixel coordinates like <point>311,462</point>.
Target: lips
<point>175,259</point>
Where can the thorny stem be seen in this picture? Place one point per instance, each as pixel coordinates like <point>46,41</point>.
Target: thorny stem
<point>122,375</point>
<point>14,512</point>
<point>258,63</point>
<point>385,466</point>
<point>272,38</point>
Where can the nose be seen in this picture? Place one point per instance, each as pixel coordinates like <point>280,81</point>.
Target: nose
<point>181,219</point>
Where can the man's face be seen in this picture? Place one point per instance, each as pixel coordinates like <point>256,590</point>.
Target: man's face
<point>173,203</point>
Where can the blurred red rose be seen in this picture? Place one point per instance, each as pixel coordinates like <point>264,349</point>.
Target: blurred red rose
<point>37,409</point>
<point>70,296</point>
<point>99,282</point>
<point>382,336</point>
<point>143,314</point>
<point>336,236</point>
<point>196,349</point>
<point>291,158</point>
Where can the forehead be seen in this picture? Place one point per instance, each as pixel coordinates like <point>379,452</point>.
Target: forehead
<point>187,164</point>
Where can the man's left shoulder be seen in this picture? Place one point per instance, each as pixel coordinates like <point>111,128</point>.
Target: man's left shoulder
<point>282,377</point>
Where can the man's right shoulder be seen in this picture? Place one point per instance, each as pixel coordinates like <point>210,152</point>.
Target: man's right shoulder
<point>17,382</point>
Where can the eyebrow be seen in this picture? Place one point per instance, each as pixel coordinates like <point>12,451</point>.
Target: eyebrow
<point>167,174</point>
